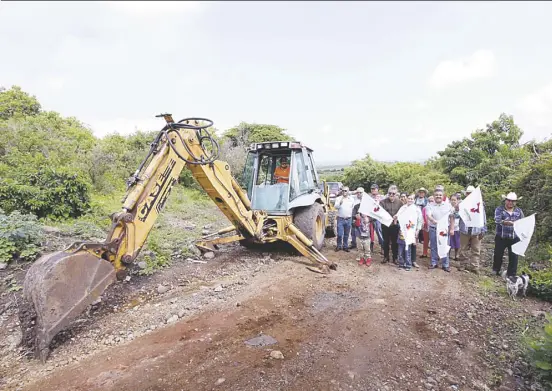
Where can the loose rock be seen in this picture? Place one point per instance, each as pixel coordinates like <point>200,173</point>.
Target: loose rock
<point>142,265</point>
<point>277,355</point>
<point>162,289</point>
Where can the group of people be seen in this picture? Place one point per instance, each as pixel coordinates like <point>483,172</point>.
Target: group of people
<point>464,241</point>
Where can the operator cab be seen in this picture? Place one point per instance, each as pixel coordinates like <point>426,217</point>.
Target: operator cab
<point>277,176</point>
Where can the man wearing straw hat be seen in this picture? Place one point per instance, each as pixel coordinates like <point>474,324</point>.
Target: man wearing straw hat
<point>505,215</point>
<point>470,241</point>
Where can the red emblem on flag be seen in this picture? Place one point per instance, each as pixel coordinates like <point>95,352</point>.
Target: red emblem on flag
<point>476,210</point>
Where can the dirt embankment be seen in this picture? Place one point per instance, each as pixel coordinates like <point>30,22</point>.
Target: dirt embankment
<point>359,328</point>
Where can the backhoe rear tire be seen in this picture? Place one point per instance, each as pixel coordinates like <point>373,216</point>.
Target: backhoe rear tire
<point>311,222</point>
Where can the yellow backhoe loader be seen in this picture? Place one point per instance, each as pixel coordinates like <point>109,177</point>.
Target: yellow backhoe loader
<point>280,201</point>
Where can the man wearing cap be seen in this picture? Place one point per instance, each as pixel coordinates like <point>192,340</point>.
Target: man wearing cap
<point>344,205</point>
<point>470,241</point>
<point>374,193</point>
<point>505,215</point>
<point>355,231</point>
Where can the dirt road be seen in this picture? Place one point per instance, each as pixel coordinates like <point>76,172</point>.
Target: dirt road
<point>359,328</point>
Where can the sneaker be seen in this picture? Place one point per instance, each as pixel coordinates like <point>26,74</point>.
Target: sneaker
<point>433,266</point>
<point>346,249</point>
<point>353,247</point>
<point>414,264</point>
<point>385,260</point>
<point>447,269</point>
<point>401,266</point>
<point>361,261</point>
<point>368,261</point>
<point>407,269</point>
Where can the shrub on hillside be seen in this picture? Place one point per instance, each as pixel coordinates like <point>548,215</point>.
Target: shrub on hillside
<point>541,350</point>
<point>20,236</point>
<point>541,284</point>
<point>48,193</point>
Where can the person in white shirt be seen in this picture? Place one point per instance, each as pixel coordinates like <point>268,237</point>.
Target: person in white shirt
<point>344,205</point>
<point>434,212</point>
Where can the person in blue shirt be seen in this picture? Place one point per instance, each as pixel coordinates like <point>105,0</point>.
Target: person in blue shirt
<point>505,215</point>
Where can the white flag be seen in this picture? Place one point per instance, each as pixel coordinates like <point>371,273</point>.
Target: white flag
<point>443,246</point>
<point>472,211</point>
<point>368,206</point>
<point>524,229</point>
<point>408,219</point>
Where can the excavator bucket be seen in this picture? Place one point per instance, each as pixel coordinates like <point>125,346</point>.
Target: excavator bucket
<point>58,287</point>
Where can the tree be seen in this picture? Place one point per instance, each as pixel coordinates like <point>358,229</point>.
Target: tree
<point>407,176</point>
<point>235,142</point>
<point>17,102</point>
<point>244,134</point>
<point>467,161</point>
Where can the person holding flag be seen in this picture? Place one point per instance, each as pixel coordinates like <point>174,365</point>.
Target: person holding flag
<point>438,214</point>
<point>505,216</point>
<point>410,222</point>
<point>472,226</point>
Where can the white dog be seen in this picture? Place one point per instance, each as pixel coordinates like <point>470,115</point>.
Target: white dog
<point>514,284</point>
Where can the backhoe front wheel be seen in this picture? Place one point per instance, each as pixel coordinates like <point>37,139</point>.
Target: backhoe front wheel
<point>311,222</point>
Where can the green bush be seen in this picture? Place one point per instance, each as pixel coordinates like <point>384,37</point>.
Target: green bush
<point>541,350</point>
<point>49,193</point>
<point>20,236</point>
<point>541,284</point>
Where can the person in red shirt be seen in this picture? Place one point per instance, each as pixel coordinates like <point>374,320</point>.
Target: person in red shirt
<point>281,173</point>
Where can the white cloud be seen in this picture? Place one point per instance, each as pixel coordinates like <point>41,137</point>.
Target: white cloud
<point>479,65</point>
<point>537,107</point>
<point>333,146</point>
<point>149,9</point>
<point>55,84</point>
<point>422,105</point>
<point>326,129</point>
<point>125,126</point>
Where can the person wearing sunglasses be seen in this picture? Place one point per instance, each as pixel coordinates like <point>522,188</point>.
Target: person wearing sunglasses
<point>344,205</point>
<point>391,204</point>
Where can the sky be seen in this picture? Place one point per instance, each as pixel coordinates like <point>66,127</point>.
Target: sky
<point>396,80</point>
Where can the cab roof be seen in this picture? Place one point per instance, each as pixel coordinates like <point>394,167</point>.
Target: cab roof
<point>278,145</point>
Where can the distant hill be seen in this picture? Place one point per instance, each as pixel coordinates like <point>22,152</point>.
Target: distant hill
<point>332,167</point>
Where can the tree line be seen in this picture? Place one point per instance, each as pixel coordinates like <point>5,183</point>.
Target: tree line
<point>50,165</point>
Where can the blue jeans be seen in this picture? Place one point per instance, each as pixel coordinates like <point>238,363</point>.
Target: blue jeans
<point>377,230</point>
<point>434,251</point>
<point>355,233</point>
<point>405,258</point>
<point>343,230</point>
